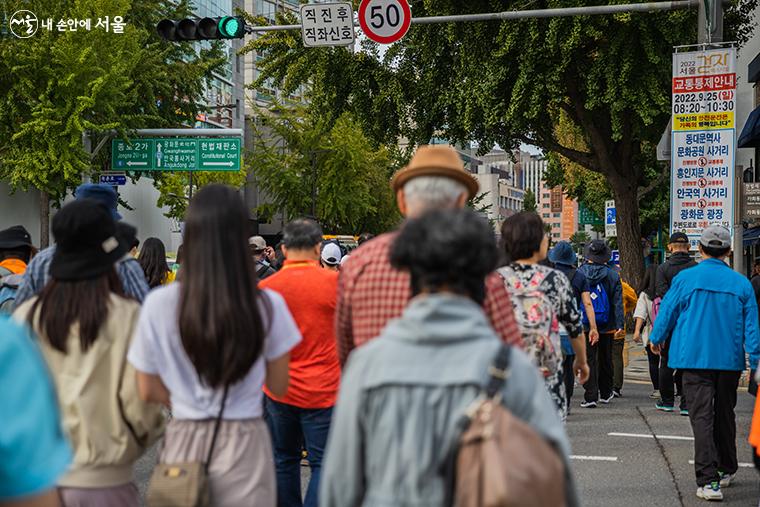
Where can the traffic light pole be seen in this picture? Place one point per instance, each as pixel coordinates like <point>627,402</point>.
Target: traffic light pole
<point>536,13</point>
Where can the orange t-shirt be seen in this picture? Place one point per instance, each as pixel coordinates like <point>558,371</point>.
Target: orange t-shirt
<point>311,294</point>
<point>15,266</point>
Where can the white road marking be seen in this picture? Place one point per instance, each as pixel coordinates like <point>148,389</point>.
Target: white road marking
<point>645,435</point>
<point>594,458</point>
<point>741,465</point>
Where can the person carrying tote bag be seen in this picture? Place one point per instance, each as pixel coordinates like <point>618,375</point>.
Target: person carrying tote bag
<point>184,484</point>
<point>215,328</point>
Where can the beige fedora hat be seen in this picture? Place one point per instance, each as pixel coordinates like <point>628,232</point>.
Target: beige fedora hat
<point>436,160</point>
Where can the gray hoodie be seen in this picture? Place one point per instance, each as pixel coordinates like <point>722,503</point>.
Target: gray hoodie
<point>401,396</point>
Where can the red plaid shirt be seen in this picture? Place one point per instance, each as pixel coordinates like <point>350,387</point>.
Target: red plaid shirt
<point>371,292</point>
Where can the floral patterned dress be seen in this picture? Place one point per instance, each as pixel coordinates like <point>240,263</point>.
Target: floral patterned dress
<point>543,298</point>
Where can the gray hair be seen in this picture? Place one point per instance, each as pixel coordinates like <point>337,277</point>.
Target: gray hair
<point>425,193</point>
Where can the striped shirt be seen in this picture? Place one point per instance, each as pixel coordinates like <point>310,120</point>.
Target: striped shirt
<point>37,275</point>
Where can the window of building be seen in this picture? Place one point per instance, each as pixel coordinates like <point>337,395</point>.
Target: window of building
<point>546,205</point>
<point>545,215</point>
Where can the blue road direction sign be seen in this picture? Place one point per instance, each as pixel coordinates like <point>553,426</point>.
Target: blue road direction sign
<point>615,258</point>
<point>113,178</point>
<point>176,154</point>
<point>610,219</point>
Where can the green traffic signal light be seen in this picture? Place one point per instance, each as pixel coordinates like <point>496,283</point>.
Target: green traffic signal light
<point>231,27</point>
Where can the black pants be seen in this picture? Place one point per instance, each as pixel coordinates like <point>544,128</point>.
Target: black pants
<point>654,367</point>
<point>569,377</point>
<point>600,366</point>
<point>712,399</point>
<point>669,377</point>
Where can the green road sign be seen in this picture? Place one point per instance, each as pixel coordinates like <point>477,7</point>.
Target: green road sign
<point>587,217</point>
<point>176,154</point>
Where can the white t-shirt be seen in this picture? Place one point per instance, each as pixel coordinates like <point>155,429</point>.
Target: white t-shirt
<point>157,349</point>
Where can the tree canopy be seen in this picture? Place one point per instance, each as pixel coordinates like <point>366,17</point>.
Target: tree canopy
<point>330,171</point>
<point>508,82</point>
<point>57,86</point>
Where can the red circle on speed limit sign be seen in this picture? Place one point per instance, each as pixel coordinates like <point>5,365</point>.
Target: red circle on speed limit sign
<point>385,21</point>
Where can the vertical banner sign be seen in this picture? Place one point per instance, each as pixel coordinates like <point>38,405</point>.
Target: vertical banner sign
<point>704,141</point>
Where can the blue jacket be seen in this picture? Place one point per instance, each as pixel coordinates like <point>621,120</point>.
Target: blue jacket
<point>712,314</point>
<point>596,273</point>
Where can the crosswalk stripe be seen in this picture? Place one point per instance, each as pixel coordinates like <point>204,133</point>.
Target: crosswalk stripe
<point>594,458</point>
<point>741,465</point>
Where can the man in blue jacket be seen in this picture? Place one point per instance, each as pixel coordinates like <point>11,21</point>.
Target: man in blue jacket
<point>606,292</point>
<point>710,313</point>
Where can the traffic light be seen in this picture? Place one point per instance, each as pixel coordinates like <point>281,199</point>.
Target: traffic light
<point>225,27</point>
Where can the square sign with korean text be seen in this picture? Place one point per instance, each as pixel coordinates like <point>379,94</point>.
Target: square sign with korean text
<point>329,24</point>
<point>703,141</point>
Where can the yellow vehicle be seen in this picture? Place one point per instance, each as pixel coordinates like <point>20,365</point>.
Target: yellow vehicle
<point>348,242</point>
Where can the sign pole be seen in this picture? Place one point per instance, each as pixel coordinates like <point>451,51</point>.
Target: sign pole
<point>738,239</point>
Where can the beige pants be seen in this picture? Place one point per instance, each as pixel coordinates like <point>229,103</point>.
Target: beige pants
<point>242,470</point>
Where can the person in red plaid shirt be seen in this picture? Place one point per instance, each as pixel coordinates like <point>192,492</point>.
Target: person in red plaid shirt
<point>371,292</point>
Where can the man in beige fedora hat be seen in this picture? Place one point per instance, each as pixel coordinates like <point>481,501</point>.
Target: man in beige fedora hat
<point>371,292</point>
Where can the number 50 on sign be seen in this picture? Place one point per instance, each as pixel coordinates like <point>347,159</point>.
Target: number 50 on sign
<point>385,21</point>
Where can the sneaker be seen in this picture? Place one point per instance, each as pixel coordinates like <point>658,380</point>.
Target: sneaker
<point>711,492</point>
<point>685,412</point>
<point>616,393</point>
<point>726,479</point>
<point>664,408</point>
<point>655,394</point>
<point>588,404</point>
<point>606,401</point>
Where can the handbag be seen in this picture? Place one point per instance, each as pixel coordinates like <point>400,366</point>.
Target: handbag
<point>498,460</point>
<point>184,484</point>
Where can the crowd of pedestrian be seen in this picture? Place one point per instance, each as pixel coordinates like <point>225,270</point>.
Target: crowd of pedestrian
<point>417,369</point>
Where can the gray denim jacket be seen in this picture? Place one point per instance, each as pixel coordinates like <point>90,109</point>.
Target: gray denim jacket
<point>401,396</point>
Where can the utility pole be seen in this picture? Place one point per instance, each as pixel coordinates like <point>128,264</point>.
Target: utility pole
<point>710,22</point>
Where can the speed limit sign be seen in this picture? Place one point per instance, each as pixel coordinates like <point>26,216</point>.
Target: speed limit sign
<point>385,21</point>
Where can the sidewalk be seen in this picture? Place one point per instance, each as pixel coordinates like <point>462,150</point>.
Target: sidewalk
<point>637,368</point>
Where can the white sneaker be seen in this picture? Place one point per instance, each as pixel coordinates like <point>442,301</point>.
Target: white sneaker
<point>711,492</point>
<point>655,394</point>
<point>606,401</point>
<point>726,479</point>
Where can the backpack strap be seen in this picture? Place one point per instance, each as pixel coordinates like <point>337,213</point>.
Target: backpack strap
<point>498,372</point>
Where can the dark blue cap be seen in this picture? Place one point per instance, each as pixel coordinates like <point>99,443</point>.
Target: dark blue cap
<point>104,194</point>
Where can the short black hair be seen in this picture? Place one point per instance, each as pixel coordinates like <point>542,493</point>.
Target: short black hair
<point>302,233</point>
<point>521,235</point>
<point>715,251</point>
<point>452,249</point>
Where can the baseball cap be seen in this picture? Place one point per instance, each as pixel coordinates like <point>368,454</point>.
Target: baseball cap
<point>716,236</point>
<point>258,243</point>
<point>679,237</point>
<point>331,254</point>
